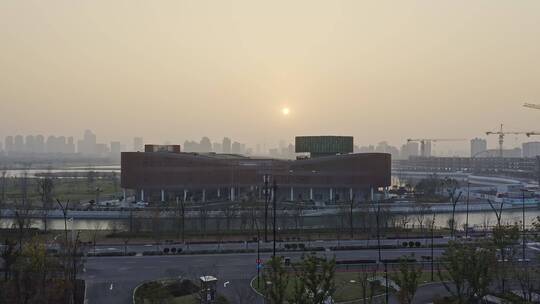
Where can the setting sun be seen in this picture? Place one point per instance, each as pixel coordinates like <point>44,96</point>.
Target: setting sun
<point>285,111</point>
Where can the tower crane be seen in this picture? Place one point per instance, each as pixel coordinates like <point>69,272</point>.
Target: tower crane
<point>427,142</point>
<point>532,106</point>
<point>502,133</point>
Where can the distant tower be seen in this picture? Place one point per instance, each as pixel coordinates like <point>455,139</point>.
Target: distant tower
<point>236,148</point>
<point>226,146</point>
<point>478,145</point>
<point>531,149</point>
<point>8,144</point>
<point>39,144</point>
<point>205,145</point>
<point>18,144</point>
<point>427,149</point>
<point>29,144</point>
<point>138,145</point>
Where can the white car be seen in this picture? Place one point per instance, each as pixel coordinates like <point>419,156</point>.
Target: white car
<point>141,204</point>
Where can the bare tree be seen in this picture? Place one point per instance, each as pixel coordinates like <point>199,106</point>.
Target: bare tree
<point>229,212</point>
<point>45,187</point>
<point>22,221</point>
<point>368,284</point>
<point>3,183</point>
<point>96,229</point>
<point>421,211</point>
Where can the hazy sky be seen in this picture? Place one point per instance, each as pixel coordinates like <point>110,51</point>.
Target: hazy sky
<point>175,70</point>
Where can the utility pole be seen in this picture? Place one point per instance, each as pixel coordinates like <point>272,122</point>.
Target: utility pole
<point>467,216</point>
<point>265,179</point>
<point>351,218</point>
<point>377,217</point>
<point>432,234</point>
<point>523,220</point>
<point>274,189</point>
<point>386,281</point>
<point>258,257</point>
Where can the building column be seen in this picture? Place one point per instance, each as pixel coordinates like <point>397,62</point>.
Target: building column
<point>371,189</point>
<point>142,195</point>
<point>292,193</point>
<point>203,195</point>
<point>331,194</point>
<point>232,194</point>
<point>162,195</point>
<point>350,194</point>
<point>219,192</point>
<point>185,195</point>
<point>124,193</point>
<point>311,193</point>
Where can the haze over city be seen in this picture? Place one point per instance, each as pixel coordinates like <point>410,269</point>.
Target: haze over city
<point>180,70</point>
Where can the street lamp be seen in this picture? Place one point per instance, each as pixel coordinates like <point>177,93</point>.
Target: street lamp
<point>266,179</point>
<point>377,217</point>
<point>523,221</point>
<point>274,189</point>
<point>467,216</point>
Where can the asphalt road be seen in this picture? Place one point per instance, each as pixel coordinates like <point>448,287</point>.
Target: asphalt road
<point>253,245</point>
<point>113,279</point>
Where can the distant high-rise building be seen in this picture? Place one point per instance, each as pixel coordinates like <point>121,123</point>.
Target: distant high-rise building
<point>88,145</point>
<point>70,145</point>
<point>18,144</point>
<point>29,144</point>
<point>39,144</point>
<point>191,146</point>
<point>531,149</point>
<point>478,145</point>
<point>138,144</point>
<point>61,144</point>
<point>216,147</point>
<point>427,148</point>
<point>115,149</point>
<point>205,145</point>
<point>226,145</point>
<point>236,148</point>
<point>409,149</point>
<point>101,149</point>
<point>8,144</point>
<point>384,147</point>
<point>50,144</point>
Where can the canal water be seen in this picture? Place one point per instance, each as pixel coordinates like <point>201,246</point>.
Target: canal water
<point>478,220</point>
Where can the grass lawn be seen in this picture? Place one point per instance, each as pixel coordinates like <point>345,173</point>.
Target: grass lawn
<point>190,299</point>
<point>348,286</point>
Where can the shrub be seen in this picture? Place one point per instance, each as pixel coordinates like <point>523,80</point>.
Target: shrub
<point>182,288</point>
<point>404,244</point>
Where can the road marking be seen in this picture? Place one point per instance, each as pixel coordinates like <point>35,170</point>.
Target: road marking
<point>226,283</point>
<point>110,288</point>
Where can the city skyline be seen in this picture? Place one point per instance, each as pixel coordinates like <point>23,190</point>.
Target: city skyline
<point>370,70</point>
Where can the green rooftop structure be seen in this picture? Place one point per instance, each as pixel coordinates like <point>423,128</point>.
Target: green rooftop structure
<point>318,146</point>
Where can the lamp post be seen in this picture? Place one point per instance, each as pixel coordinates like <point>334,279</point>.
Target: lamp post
<point>377,217</point>
<point>432,232</point>
<point>274,189</point>
<point>523,221</point>
<point>386,281</point>
<point>467,214</point>
<point>265,179</point>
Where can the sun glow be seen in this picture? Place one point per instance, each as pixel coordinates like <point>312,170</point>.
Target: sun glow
<point>285,111</point>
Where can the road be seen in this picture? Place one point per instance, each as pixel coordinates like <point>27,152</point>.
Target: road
<point>253,245</point>
<point>113,279</point>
